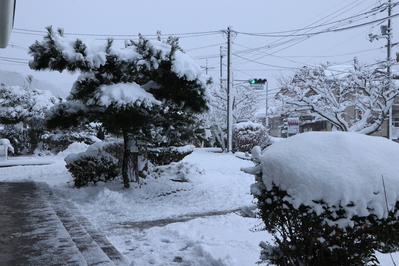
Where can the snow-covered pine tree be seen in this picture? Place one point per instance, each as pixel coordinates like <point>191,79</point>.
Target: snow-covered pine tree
<point>148,90</point>
<point>22,104</point>
<point>27,105</point>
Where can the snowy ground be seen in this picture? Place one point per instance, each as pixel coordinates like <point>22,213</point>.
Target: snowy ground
<point>169,223</point>
<point>165,222</point>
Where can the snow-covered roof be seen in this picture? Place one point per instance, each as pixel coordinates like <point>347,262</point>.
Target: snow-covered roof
<point>340,168</point>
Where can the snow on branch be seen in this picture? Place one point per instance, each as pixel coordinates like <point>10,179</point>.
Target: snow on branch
<point>338,93</point>
<point>124,95</point>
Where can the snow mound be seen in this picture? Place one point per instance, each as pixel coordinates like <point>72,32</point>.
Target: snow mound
<point>75,147</point>
<point>338,168</point>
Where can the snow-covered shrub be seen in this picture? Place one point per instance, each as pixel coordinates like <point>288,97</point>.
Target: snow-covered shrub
<point>167,155</point>
<point>101,162</point>
<point>19,139</point>
<point>181,171</point>
<point>76,147</point>
<point>247,135</point>
<point>328,198</point>
<point>57,142</point>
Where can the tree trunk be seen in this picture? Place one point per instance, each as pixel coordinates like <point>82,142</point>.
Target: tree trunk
<point>130,160</point>
<point>142,160</point>
<point>220,136</point>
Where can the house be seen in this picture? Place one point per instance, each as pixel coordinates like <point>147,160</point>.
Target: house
<point>351,114</point>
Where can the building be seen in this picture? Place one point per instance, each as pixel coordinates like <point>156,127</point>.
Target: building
<point>279,124</point>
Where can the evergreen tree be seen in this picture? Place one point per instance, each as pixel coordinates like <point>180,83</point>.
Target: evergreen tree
<point>27,105</point>
<point>148,91</point>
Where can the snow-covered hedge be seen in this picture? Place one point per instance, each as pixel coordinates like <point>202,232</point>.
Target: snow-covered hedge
<point>167,155</point>
<point>334,196</point>
<point>20,139</point>
<point>101,162</point>
<point>247,135</point>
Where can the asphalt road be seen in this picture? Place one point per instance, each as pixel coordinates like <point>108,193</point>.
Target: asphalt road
<point>30,231</point>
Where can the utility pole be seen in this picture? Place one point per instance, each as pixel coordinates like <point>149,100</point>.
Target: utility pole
<point>389,65</point>
<point>386,32</point>
<point>221,67</point>
<point>267,105</point>
<point>229,94</point>
<point>206,67</point>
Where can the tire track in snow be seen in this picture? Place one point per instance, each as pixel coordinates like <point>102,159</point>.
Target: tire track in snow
<point>245,211</point>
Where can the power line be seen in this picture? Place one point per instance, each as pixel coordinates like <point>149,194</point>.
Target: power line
<point>304,36</point>
<point>323,31</point>
<point>182,35</point>
<point>296,40</point>
<point>281,67</point>
<point>276,34</point>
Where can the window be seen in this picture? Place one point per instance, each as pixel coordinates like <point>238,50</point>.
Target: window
<point>395,121</point>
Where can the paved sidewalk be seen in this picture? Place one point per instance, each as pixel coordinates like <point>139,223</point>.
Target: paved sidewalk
<point>23,160</point>
<point>38,228</point>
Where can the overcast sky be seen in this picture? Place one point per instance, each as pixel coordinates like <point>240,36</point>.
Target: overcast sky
<point>200,25</point>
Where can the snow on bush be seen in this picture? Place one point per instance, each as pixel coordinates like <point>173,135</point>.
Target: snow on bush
<point>247,135</point>
<point>334,196</point>
<point>167,155</point>
<point>75,147</point>
<point>181,171</point>
<point>95,164</point>
<point>337,168</point>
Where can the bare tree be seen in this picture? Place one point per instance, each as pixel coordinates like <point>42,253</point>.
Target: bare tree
<point>244,107</point>
<point>330,93</point>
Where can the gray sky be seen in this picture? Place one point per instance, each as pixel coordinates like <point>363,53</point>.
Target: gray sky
<point>199,24</point>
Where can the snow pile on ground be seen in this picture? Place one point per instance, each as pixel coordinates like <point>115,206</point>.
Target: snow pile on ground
<point>339,168</point>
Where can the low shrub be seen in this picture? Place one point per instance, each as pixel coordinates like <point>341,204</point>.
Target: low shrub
<point>247,135</point>
<point>321,231</point>
<point>167,155</point>
<point>58,142</point>
<point>101,162</point>
<point>19,139</point>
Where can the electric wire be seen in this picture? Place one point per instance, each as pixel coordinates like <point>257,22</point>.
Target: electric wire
<point>298,40</point>
<point>116,36</point>
<point>278,33</point>
<point>282,43</point>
